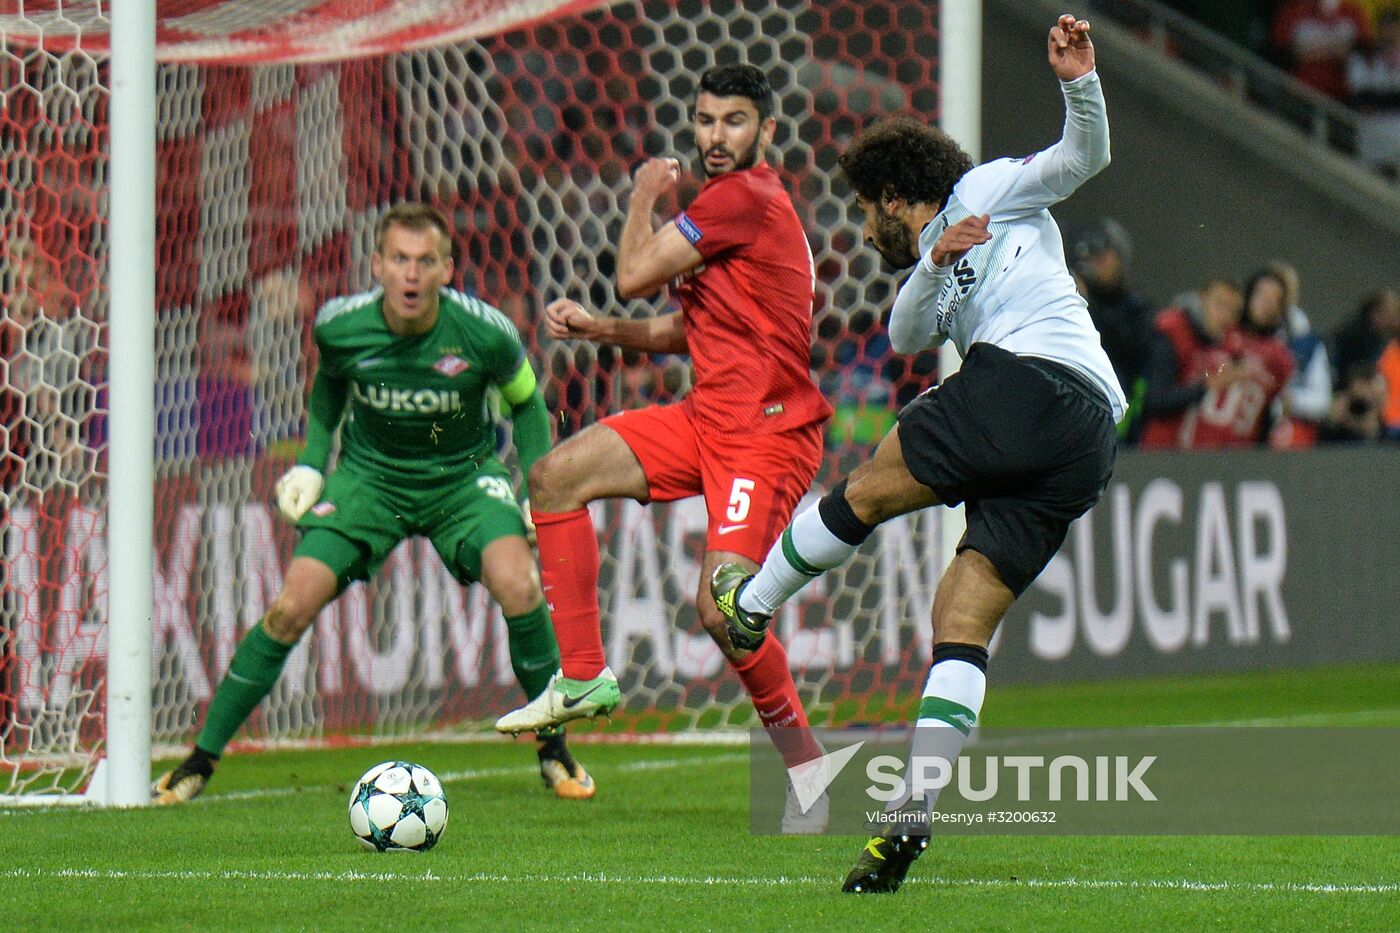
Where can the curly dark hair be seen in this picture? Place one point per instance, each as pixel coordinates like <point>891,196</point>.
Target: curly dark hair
<point>739,81</point>
<point>900,157</point>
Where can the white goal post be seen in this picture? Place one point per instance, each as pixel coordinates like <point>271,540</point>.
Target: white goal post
<point>960,105</point>
<point>122,776</point>
<point>131,487</point>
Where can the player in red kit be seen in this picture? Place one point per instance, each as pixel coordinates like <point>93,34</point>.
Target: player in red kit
<point>748,437</point>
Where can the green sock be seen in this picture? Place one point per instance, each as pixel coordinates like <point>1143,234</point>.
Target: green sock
<point>534,654</point>
<point>251,676</point>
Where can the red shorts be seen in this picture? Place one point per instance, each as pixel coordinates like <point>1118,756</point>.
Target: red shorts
<point>750,489</point>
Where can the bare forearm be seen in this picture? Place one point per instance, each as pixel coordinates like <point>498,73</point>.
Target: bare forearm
<point>636,231</point>
<point>661,334</point>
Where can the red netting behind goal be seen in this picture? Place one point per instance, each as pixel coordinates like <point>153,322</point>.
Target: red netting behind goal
<point>271,178</point>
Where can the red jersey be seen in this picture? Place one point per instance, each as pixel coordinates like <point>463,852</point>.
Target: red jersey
<point>748,306</point>
<point>1229,417</point>
<point>1319,40</point>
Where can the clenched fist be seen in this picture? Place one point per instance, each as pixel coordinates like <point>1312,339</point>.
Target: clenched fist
<point>656,177</point>
<point>566,319</point>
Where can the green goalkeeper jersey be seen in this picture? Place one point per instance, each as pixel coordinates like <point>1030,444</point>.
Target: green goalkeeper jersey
<point>415,408</point>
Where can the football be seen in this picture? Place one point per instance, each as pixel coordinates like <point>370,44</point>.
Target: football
<point>398,806</point>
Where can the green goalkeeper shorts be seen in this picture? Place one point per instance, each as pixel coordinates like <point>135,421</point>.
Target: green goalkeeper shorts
<point>361,518</point>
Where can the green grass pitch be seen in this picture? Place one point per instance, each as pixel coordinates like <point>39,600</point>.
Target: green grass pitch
<point>665,844</point>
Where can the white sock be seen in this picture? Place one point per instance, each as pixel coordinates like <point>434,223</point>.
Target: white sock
<point>953,693</point>
<point>805,551</point>
<point>951,703</point>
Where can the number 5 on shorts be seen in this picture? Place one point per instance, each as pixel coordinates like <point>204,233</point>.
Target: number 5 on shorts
<point>739,500</point>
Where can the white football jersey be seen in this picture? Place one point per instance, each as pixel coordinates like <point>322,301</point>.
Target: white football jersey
<point>1015,290</point>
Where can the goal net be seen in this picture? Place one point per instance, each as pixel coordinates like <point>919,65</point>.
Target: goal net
<point>285,129</point>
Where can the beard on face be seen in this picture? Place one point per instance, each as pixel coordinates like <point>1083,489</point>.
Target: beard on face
<point>748,160</point>
<point>894,241</point>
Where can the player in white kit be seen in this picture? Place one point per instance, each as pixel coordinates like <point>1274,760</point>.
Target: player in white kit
<point>1023,433</point>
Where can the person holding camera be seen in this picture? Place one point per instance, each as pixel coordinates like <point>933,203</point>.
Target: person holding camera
<point>1356,407</point>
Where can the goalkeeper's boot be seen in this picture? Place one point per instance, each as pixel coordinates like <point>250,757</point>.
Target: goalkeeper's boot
<point>186,782</point>
<point>885,861</point>
<point>564,699</point>
<point>561,773</point>
<point>746,629</point>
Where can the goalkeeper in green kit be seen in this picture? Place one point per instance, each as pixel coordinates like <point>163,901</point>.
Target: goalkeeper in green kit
<point>407,367</point>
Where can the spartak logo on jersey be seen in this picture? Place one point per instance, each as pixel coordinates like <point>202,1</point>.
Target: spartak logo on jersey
<point>451,365</point>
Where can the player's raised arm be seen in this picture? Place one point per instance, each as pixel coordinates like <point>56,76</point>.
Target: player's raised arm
<point>1007,187</point>
<point>1083,150</point>
<point>647,259</point>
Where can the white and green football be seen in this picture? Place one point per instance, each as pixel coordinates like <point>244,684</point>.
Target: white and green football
<point>398,806</point>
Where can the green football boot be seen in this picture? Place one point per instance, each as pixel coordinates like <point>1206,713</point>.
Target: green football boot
<point>562,700</point>
<point>746,629</point>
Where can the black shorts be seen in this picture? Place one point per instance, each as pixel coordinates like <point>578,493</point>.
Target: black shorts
<point>1028,444</point>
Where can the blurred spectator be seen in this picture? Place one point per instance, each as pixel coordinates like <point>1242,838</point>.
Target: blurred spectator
<point>1376,8</point>
<point>1316,38</point>
<point>1373,75</point>
<point>51,405</point>
<point>1356,408</point>
<point>1271,309</point>
<point>281,303</point>
<point>1375,324</point>
<point>12,433</point>
<point>53,345</point>
<point>1243,22</point>
<point>856,385</point>
<point>1210,382</point>
<point>1374,83</point>
<point>1099,256</point>
<point>863,411</point>
<point>1389,369</point>
<point>224,389</point>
